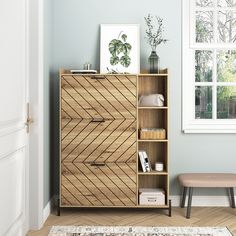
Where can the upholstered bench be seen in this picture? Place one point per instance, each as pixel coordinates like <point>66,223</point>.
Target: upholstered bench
<point>190,181</point>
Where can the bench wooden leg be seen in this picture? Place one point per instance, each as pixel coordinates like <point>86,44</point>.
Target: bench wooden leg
<point>185,189</point>
<point>190,195</point>
<point>231,190</point>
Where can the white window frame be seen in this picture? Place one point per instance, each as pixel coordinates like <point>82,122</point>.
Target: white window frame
<point>189,123</point>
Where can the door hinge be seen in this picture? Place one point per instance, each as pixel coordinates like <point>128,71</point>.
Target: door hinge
<point>29,120</point>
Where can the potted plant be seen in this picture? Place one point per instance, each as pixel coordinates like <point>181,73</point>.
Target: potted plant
<point>154,38</point>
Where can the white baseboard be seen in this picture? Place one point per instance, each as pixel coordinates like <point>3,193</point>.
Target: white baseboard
<point>203,201</point>
<point>47,210</point>
<point>197,201</point>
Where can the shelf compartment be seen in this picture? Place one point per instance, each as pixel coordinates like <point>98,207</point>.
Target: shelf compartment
<point>156,152</point>
<point>154,181</point>
<point>153,119</point>
<point>153,85</point>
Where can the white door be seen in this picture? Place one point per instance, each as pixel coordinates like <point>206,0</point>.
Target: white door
<point>13,136</point>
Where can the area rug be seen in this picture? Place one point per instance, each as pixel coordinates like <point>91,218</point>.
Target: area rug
<point>137,231</point>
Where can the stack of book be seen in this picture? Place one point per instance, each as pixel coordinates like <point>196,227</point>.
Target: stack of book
<point>83,71</point>
<point>144,161</point>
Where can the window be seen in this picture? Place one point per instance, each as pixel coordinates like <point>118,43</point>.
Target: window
<point>209,66</point>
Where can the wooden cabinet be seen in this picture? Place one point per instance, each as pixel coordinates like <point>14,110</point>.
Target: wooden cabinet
<point>99,121</point>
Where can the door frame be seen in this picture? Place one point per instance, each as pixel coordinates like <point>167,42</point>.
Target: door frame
<point>35,65</point>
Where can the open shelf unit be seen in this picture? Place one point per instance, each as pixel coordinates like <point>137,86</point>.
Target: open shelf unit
<point>154,117</point>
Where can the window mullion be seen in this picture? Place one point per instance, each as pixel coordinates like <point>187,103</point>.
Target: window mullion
<point>214,88</point>
<point>214,102</point>
<point>214,78</point>
<point>204,83</point>
<point>213,8</point>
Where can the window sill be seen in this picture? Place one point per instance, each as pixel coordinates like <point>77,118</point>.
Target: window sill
<point>207,131</point>
<point>210,129</point>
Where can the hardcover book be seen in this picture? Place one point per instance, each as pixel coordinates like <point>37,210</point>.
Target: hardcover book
<point>144,160</point>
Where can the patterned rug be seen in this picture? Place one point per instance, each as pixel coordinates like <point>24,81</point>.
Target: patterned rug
<point>137,231</point>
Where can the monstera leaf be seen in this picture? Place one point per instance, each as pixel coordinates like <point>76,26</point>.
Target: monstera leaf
<point>125,61</point>
<point>124,37</point>
<point>126,48</point>
<point>115,47</point>
<point>114,60</point>
<point>120,50</point>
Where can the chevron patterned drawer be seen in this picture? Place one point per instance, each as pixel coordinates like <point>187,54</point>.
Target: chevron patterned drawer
<point>106,141</point>
<point>109,97</point>
<point>98,184</point>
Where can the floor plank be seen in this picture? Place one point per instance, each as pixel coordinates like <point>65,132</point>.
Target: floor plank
<point>141,217</point>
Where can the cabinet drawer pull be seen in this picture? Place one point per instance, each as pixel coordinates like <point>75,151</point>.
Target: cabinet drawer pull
<point>98,120</point>
<point>97,164</point>
<point>98,77</point>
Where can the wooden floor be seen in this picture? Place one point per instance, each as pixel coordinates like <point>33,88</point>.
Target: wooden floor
<point>148,217</point>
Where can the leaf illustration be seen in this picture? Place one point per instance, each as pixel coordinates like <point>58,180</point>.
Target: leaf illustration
<point>119,49</point>
<point>115,47</point>
<point>124,37</point>
<point>114,60</point>
<point>127,48</point>
<point>125,61</point>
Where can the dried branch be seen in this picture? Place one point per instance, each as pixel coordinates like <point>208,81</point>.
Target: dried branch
<point>154,34</point>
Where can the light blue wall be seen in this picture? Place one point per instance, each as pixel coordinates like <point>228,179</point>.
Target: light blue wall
<point>76,40</point>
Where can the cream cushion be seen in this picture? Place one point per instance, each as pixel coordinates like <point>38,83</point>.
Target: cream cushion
<point>208,180</point>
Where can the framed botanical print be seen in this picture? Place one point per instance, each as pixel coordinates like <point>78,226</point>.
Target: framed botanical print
<point>120,48</point>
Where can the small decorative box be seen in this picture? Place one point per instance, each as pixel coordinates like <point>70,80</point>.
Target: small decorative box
<point>151,196</point>
<point>152,133</point>
<point>159,166</point>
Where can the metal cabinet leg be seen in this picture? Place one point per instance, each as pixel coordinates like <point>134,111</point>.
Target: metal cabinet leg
<point>190,195</point>
<point>184,197</point>
<point>58,207</point>
<point>232,197</point>
<point>170,208</point>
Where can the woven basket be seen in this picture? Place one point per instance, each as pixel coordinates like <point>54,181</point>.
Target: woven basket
<point>152,133</point>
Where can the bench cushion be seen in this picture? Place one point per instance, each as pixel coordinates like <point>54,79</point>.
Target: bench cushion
<point>208,180</point>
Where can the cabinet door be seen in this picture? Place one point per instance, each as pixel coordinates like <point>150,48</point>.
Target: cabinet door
<point>110,184</point>
<point>98,140</point>
<point>99,97</point>
<point>95,141</point>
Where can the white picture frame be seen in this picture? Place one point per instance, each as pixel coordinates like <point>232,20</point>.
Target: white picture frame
<point>120,48</point>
